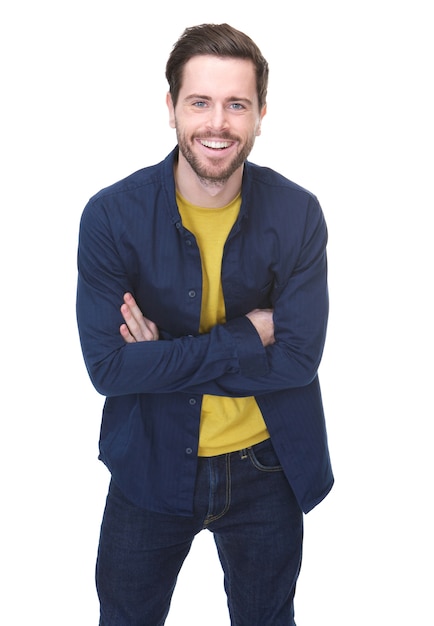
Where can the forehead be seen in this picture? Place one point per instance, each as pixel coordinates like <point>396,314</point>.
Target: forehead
<point>208,75</point>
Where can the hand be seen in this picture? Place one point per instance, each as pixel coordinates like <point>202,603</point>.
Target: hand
<point>262,320</point>
<point>137,327</point>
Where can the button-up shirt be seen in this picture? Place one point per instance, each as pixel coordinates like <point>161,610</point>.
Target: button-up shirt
<point>132,239</point>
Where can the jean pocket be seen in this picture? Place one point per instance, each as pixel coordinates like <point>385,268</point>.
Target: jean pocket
<point>264,457</point>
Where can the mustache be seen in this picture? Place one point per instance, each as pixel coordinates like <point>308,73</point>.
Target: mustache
<point>217,135</point>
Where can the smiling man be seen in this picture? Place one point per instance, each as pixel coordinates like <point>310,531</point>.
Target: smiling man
<point>202,309</point>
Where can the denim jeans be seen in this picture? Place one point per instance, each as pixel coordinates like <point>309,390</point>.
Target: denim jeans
<point>244,499</point>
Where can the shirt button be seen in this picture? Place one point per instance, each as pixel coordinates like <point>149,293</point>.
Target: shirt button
<point>188,450</point>
<point>192,293</point>
<point>192,401</point>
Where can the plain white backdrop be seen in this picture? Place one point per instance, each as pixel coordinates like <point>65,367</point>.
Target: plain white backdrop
<point>350,117</point>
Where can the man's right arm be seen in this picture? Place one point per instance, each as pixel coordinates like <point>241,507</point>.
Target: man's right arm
<point>118,365</point>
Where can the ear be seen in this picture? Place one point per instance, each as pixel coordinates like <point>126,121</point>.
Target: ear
<point>171,108</point>
<point>261,117</point>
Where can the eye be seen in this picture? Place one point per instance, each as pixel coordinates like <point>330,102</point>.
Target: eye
<point>237,106</point>
<point>199,104</point>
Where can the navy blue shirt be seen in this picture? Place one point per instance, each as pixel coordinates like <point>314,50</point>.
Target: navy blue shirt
<point>132,239</point>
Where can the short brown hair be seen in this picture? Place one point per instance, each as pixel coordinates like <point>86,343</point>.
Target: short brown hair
<point>220,40</point>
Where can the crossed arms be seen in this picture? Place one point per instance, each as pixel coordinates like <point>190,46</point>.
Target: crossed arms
<point>137,327</point>
<point>257,352</point>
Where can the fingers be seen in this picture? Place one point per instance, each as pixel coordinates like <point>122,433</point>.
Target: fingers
<point>126,335</point>
<point>262,320</point>
<point>131,303</point>
<point>137,327</point>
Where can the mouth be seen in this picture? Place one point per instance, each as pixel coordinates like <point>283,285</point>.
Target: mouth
<point>215,145</point>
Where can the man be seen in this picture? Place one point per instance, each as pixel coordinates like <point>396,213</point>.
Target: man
<point>202,309</point>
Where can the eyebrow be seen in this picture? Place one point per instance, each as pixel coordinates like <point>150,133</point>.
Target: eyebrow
<point>197,96</point>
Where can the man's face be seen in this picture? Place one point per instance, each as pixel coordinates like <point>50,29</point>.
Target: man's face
<point>217,116</point>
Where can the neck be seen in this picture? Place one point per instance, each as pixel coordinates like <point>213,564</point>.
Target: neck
<point>204,192</point>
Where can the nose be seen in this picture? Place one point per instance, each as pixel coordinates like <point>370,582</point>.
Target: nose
<point>217,119</point>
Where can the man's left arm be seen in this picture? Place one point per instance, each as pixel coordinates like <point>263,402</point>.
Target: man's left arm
<point>300,314</point>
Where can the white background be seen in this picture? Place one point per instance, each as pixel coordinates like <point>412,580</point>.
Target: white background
<point>349,117</point>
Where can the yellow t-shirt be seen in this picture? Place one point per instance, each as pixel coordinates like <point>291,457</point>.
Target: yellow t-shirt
<point>226,424</point>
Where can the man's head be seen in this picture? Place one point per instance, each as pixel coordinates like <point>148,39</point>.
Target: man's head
<point>217,100</point>
<point>220,40</point>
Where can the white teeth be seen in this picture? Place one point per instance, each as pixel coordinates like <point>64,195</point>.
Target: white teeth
<point>215,144</point>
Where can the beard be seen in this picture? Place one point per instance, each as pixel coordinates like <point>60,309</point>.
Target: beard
<point>216,173</point>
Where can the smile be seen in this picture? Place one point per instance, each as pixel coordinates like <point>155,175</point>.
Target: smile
<point>215,145</point>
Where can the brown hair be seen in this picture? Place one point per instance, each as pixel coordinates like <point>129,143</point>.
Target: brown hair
<point>219,40</point>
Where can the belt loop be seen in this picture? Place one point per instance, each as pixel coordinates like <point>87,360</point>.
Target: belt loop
<point>243,453</point>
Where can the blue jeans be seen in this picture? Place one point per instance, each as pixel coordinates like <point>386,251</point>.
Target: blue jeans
<point>244,499</point>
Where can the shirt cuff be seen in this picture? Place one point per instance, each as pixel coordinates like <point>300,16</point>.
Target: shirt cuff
<point>251,353</point>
